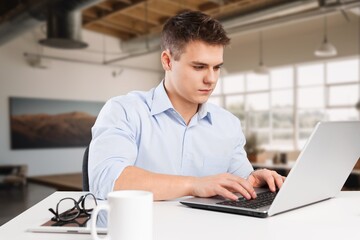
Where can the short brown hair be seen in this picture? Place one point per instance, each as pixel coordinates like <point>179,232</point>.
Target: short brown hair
<point>191,26</point>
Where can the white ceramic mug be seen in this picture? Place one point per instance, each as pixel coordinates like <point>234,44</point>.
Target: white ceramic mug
<point>129,216</point>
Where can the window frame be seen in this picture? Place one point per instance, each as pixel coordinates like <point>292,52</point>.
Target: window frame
<point>296,141</point>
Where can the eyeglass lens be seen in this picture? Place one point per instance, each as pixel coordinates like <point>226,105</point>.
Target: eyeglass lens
<point>88,203</point>
<point>67,209</point>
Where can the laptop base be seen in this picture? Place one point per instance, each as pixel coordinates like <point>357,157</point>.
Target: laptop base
<point>227,210</point>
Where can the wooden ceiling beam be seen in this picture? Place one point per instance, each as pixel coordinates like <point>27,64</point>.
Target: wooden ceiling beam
<point>107,6</point>
<point>156,29</point>
<point>119,27</point>
<point>129,2</point>
<point>116,11</point>
<point>129,22</point>
<point>128,18</point>
<point>160,12</point>
<point>181,5</point>
<point>118,34</point>
<point>235,7</point>
<point>135,4</point>
<point>159,7</point>
<point>140,14</point>
<point>90,14</point>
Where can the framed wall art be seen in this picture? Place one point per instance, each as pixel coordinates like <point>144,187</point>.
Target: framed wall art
<point>49,123</point>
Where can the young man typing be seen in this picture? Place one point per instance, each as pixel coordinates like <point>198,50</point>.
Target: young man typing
<point>169,140</point>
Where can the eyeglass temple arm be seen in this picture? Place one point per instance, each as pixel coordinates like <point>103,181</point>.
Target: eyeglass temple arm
<point>53,211</point>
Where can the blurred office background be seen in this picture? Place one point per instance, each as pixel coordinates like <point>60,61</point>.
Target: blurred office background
<point>290,64</point>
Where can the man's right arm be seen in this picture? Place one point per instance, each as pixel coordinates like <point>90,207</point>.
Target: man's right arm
<point>113,152</point>
<point>166,187</point>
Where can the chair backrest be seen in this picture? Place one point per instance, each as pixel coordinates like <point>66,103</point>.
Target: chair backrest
<point>85,175</point>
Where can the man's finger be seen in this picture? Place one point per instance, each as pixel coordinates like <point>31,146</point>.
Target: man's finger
<point>247,186</point>
<point>239,189</point>
<point>279,180</point>
<point>271,182</point>
<point>226,193</point>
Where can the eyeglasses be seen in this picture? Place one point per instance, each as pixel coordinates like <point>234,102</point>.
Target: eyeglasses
<point>69,209</point>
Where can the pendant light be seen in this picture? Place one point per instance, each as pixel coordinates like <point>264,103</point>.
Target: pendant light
<point>326,49</point>
<point>261,69</point>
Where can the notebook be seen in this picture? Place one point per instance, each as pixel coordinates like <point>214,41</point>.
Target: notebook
<point>80,225</point>
<point>318,174</point>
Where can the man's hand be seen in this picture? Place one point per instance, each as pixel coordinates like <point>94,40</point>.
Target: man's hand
<point>224,185</point>
<point>262,177</point>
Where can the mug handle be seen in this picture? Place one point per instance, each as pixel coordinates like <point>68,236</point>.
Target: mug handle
<point>93,222</point>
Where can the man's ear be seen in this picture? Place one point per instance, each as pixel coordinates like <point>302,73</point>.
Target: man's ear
<point>166,60</point>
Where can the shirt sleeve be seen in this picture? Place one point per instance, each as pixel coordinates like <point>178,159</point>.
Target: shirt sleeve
<point>113,146</point>
<point>240,165</point>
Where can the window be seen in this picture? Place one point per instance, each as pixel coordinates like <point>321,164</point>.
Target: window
<point>343,95</point>
<point>282,78</point>
<point>257,102</point>
<point>256,82</point>
<point>234,84</point>
<point>342,71</point>
<point>310,75</point>
<point>235,104</point>
<point>312,97</point>
<point>282,108</point>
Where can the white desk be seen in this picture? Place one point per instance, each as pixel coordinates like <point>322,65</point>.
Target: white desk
<point>338,218</point>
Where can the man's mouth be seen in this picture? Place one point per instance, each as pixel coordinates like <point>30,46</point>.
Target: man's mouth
<point>205,90</point>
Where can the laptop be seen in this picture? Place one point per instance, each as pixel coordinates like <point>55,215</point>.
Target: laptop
<point>318,174</point>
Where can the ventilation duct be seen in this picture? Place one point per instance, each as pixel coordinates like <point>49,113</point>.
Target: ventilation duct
<point>63,21</point>
<point>63,26</point>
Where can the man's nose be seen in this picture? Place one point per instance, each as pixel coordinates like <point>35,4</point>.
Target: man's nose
<point>211,77</point>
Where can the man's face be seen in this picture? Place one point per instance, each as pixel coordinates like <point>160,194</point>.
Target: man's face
<point>191,79</point>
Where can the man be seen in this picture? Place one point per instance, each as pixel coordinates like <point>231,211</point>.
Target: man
<point>169,140</point>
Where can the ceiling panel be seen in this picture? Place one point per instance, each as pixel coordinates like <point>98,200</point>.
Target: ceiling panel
<point>129,19</point>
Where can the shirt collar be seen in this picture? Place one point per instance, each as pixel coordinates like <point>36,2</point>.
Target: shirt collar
<point>160,100</point>
<point>161,103</point>
<point>204,112</point>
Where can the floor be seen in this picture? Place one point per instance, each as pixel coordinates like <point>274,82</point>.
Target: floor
<point>15,200</point>
<point>63,182</point>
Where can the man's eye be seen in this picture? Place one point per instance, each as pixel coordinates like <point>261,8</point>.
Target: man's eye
<point>198,67</point>
<point>217,68</point>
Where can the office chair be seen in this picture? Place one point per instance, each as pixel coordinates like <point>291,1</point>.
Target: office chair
<point>85,174</point>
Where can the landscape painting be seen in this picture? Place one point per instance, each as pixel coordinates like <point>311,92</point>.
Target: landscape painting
<point>47,123</point>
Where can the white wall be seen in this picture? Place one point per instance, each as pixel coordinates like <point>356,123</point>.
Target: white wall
<point>292,43</point>
<point>62,80</point>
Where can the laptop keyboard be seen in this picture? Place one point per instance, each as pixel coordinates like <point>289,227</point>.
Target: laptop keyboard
<point>263,199</point>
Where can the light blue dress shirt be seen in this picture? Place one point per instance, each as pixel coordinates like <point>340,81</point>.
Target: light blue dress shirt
<point>143,129</point>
